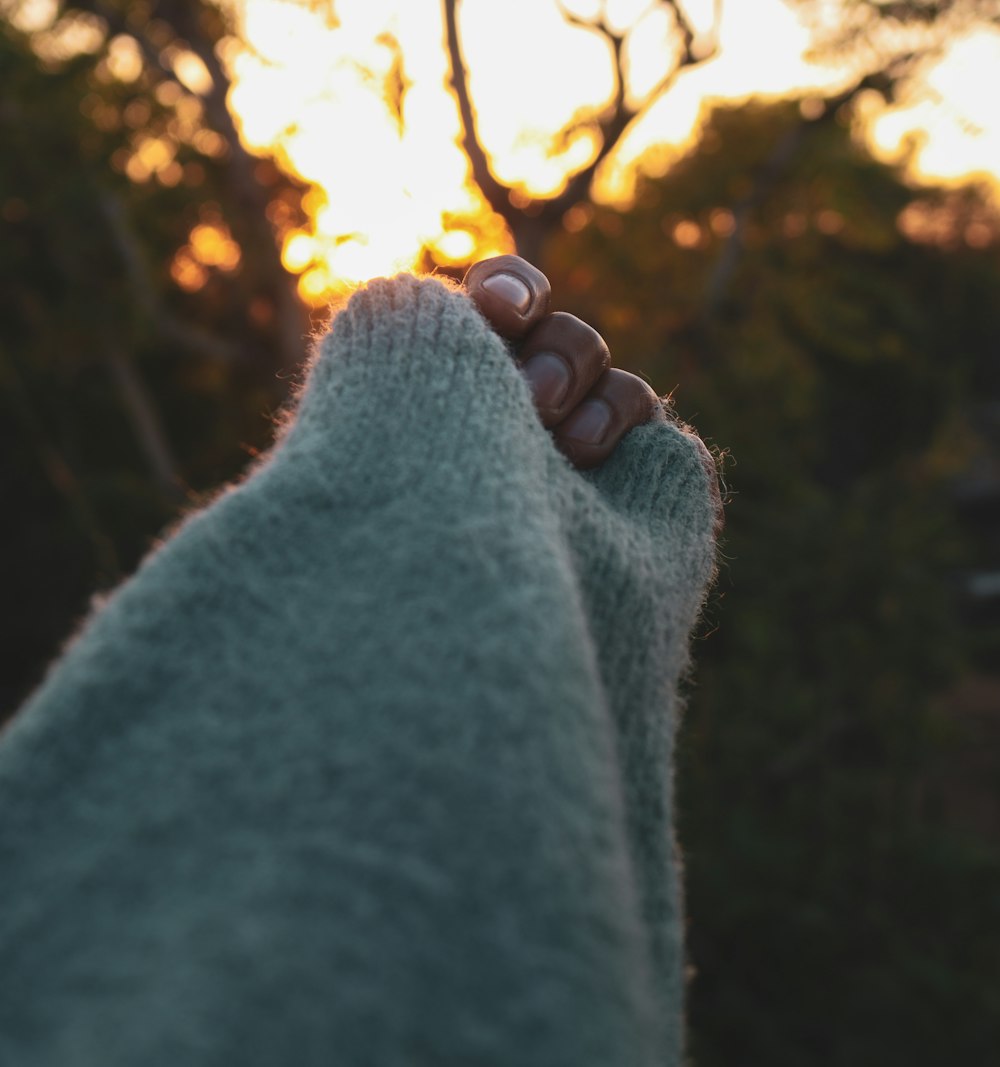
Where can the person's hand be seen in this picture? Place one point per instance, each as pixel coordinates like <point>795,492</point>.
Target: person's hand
<point>587,404</point>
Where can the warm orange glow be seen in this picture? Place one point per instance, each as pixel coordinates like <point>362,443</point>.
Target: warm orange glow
<point>954,128</point>
<point>209,245</point>
<point>299,251</point>
<point>393,185</point>
<point>457,246</point>
<point>687,234</point>
<point>723,222</point>
<point>829,222</point>
<point>314,94</point>
<point>124,58</point>
<point>358,108</point>
<point>213,245</point>
<point>191,71</point>
<point>942,224</point>
<point>186,272</point>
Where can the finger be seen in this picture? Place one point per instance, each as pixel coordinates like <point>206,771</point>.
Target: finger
<point>510,292</point>
<point>562,358</point>
<point>613,406</point>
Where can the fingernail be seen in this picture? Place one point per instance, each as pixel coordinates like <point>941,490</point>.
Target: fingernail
<point>549,378</point>
<point>589,423</point>
<point>510,289</point>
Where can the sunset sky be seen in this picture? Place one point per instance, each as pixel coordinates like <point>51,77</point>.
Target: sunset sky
<point>316,93</point>
<point>312,93</point>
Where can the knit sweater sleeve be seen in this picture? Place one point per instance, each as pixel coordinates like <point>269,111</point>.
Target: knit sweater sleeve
<point>370,762</point>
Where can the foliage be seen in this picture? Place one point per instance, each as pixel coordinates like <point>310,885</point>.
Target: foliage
<point>891,38</point>
<point>827,323</point>
<point>822,757</point>
<point>119,387</point>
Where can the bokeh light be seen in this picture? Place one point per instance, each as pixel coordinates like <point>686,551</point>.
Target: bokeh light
<point>357,106</point>
<point>351,97</point>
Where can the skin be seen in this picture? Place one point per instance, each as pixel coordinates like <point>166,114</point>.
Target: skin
<point>587,404</point>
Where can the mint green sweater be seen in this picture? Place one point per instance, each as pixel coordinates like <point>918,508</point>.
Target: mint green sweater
<point>369,765</point>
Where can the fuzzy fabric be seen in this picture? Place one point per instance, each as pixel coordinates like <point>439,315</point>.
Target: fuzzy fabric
<point>369,765</point>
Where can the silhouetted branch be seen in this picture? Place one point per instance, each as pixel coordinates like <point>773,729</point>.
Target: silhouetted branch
<point>620,115</point>
<point>495,193</point>
<point>691,55</point>
<point>685,29</point>
<point>610,127</point>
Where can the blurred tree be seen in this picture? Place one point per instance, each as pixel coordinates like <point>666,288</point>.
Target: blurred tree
<point>894,45</point>
<point>838,866</point>
<point>531,221</point>
<point>143,312</point>
<point>885,43</point>
<point>181,44</point>
<point>894,38</point>
<point>830,324</point>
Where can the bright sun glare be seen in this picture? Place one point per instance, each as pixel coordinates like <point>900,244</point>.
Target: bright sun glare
<point>314,93</point>
<point>359,109</point>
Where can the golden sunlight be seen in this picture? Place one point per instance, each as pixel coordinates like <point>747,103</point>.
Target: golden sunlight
<point>390,175</point>
<point>209,245</point>
<point>953,129</point>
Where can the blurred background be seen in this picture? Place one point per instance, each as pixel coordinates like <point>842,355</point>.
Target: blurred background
<point>786,213</point>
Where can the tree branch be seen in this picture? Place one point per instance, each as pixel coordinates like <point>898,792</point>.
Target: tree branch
<point>613,126</point>
<point>610,127</point>
<point>495,193</point>
<point>686,30</point>
<point>690,55</point>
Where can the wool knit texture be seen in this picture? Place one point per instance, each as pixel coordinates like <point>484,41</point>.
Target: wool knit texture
<point>369,764</point>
